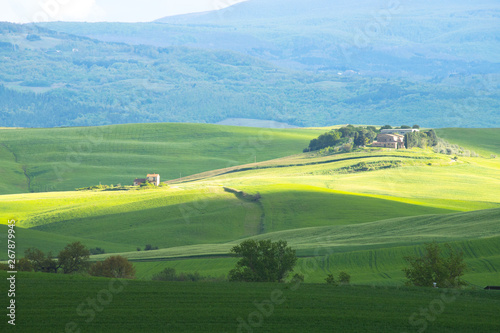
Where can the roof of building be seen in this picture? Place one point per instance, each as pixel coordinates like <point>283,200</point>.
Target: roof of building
<point>140,180</point>
<point>152,175</point>
<point>392,134</point>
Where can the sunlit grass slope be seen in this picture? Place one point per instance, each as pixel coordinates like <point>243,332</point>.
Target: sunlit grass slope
<point>50,242</point>
<point>394,232</point>
<point>67,158</point>
<point>415,176</point>
<point>174,217</point>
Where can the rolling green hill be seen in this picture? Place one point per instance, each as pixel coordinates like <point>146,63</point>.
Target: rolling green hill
<point>486,141</point>
<point>69,158</point>
<point>351,208</point>
<point>175,217</point>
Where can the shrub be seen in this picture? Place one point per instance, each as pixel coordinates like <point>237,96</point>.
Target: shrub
<point>330,279</point>
<point>169,274</point>
<point>96,250</point>
<point>344,278</point>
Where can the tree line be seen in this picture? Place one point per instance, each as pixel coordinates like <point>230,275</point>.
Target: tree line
<point>74,258</point>
<point>259,261</point>
<point>349,137</point>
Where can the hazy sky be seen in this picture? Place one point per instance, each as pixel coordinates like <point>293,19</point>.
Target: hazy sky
<point>21,11</point>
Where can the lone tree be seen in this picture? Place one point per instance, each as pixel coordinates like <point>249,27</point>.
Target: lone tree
<point>432,267</point>
<point>262,261</point>
<point>74,258</point>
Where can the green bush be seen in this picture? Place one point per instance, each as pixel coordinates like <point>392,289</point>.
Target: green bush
<point>330,279</point>
<point>344,278</point>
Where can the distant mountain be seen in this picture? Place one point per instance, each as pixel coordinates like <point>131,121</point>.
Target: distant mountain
<point>311,63</point>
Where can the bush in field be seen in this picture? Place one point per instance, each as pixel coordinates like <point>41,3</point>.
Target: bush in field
<point>96,250</point>
<point>330,279</point>
<point>149,247</point>
<point>344,278</point>
<point>262,261</point>
<point>433,266</point>
<point>169,274</point>
<point>113,267</point>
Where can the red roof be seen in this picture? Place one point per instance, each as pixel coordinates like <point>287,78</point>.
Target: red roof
<point>153,175</point>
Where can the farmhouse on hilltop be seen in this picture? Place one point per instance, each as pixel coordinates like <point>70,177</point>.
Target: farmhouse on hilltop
<point>394,141</point>
<point>153,178</point>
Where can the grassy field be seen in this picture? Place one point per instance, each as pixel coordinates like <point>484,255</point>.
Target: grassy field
<point>485,141</point>
<point>67,158</point>
<point>348,207</point>
<point>139,306</point>
<point>372,252</point>
<point>174,217</point>
<point>382,265</point>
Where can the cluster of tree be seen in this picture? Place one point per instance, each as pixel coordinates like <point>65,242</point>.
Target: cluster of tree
<point>357,136</point>
<point>421,139</point>
<point>435,268</point>
<point>263,261</point>
<point>401,127</point>
<point>74,258</point>
<point>343,279</point>
<point>169,274</point>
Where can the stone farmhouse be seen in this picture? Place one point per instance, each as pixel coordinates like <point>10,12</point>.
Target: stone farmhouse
<point>152,178</point>
<point>394,141</point>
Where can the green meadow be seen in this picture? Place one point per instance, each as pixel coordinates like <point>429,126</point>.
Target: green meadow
<point>149,306</point>
<point>360,212</point>
<point>67,158</point>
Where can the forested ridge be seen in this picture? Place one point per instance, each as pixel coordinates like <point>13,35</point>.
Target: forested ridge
<point>77,74</point>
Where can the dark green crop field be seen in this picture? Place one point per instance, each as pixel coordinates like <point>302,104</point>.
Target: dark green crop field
<point>56,303</point>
